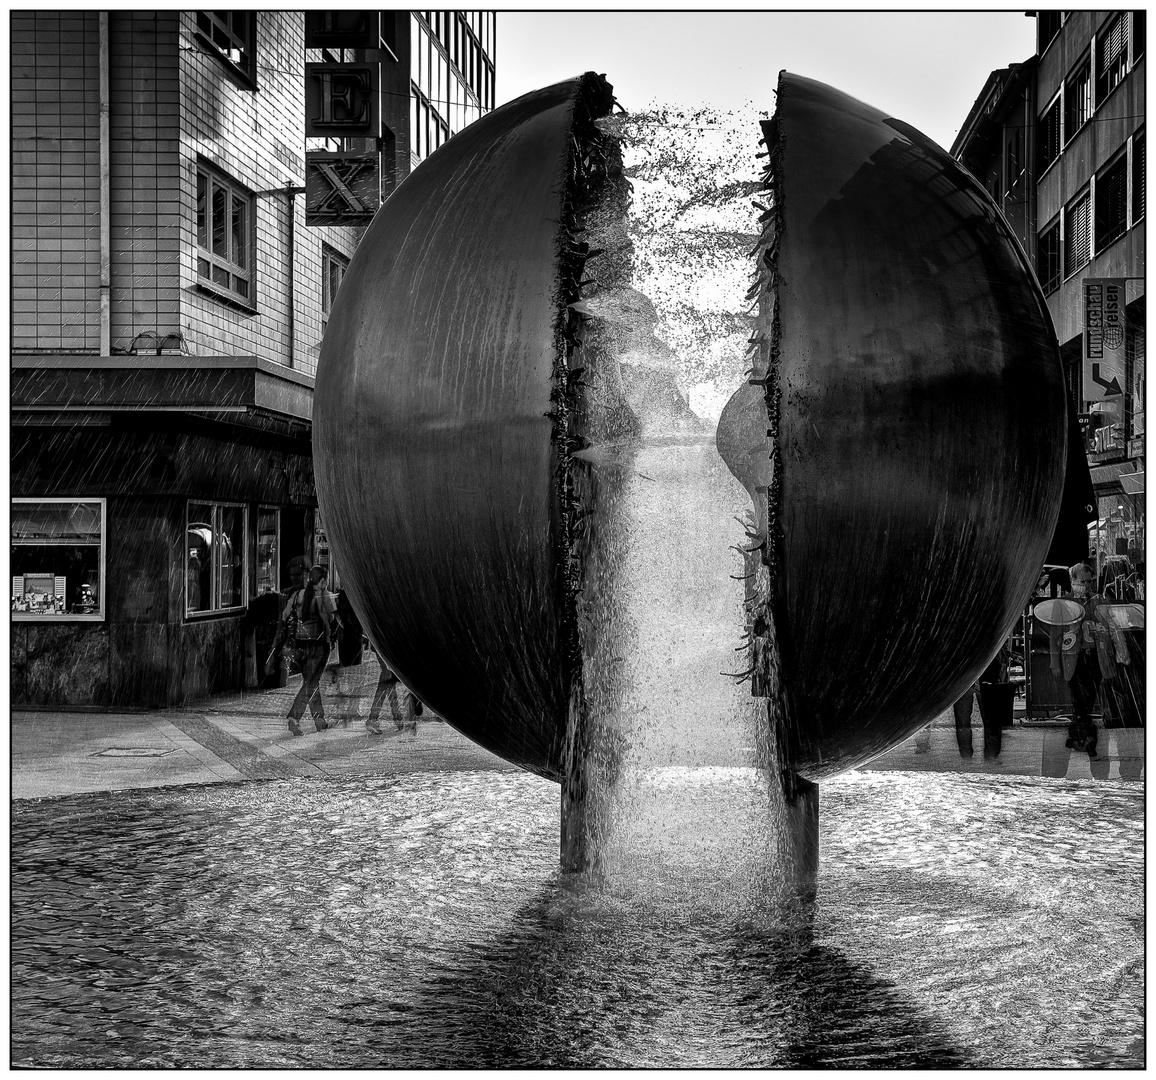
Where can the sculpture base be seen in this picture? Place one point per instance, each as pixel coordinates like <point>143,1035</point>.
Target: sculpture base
<point>800,836</point>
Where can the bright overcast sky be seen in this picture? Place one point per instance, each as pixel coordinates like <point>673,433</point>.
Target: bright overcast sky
<point>926,68</point>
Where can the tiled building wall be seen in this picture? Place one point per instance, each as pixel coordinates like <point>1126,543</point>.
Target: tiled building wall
<point>257,138</point>
<point>144,178</point>
<point>171,104</point>
<point>55,181</point>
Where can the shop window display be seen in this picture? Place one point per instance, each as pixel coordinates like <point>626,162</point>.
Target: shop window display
<point>215,569</point>
<point>58,559</point>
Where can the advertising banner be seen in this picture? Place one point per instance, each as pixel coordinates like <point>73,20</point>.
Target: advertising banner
<point>1104,368</point>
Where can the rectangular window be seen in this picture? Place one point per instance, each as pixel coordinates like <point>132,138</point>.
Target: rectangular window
<point>1013,159</point>
<point>1077,99</point>
<point>1048,258</point>
<point>1049,135</point>
<point>231,37</point>
<point>216,556</point>
<point>1111,56</point>
<point>333,267</point>
<point>1048,25</point>
<point>1077,241</point>
<point>268,549</point>
<point>1138,174</point>
<point>224,236</point>
<point>1111,203</point>
<point>1139,33</point>
<point>58,559</point>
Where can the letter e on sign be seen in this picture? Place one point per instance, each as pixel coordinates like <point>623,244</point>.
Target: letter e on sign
<point>342,100</point>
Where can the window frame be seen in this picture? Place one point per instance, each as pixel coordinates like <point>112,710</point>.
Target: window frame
<point>330,257</point>
<point>1120,164</point>
<point>1057,279</point>
<point>1137,177</point>
<point>264,508</point>
<point>1055,105</point>
<point>235,193</point>
<point>216,609</point>
<point>1045,20</point>
<point>1084,197</point>
<point>98,616</point>
<point>1120,66</point>
<point>1082,67</point>
<point>242,70</point>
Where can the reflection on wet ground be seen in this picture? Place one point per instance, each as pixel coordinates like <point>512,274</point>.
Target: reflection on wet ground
<point>420,921</point>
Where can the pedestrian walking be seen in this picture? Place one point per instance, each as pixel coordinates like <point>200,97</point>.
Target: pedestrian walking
<point>308,616</point>
<point>349,645</point>
<point>403,706</point>
<point>297,568</point>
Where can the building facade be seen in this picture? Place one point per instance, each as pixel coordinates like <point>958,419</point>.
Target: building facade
<point>169,297</point>
<point>1058,141</point>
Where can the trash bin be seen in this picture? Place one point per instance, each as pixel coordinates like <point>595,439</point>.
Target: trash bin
<point>997,703</point>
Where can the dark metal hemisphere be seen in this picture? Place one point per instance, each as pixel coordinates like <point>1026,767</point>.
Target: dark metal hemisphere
<point>920,436</point>
<point>435,436</point>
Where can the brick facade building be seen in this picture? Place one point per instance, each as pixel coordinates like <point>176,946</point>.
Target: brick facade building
<point>168,304</point>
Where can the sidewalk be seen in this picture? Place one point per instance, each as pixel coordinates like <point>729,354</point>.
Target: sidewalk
<point>244,736</point>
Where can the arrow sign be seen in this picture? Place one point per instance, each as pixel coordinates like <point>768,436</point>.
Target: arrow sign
<point>1110,387</point>
<point>1104,338</point>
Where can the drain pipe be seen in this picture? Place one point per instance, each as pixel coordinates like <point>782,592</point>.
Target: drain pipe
<point>105,197</point>
<point>290,192</point>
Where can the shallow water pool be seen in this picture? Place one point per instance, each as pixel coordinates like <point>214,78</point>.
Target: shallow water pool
<point>420,921</point>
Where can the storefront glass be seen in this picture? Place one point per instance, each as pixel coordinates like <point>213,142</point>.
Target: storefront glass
<point>267,550</point>
<point>215,568</point>
<point>58,559</point>
<point>1119,532</point>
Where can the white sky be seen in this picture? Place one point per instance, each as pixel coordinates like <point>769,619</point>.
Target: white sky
<point>926,67</point>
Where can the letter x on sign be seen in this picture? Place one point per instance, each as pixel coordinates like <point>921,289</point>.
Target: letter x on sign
<point>340,186</point>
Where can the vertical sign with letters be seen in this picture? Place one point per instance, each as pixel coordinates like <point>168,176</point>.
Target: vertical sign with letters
<point>1104,367</point>
<point>342,101</point>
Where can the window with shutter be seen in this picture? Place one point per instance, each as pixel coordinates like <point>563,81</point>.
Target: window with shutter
<point>1111,203</point>
<point>1077,99</point>
<point>1076,239</point>
<point>1111,56</point>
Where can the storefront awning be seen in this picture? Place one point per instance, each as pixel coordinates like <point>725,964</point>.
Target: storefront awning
<point>1132,483</point>
<point>1104,475</point>
<point>239,386</point>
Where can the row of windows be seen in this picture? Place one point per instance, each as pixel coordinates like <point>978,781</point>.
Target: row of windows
<point>1114,51</point>
<point>58,558</point>
<point>452,79</point>
<point>1095,218</point>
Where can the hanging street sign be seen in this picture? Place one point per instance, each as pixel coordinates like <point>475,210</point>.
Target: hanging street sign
<point>341,189</point>
<point>1104,364</point>
<point>341,29</point>
<point>342,101</point>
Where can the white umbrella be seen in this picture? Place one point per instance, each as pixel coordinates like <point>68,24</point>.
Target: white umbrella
<point>1058,612</point>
